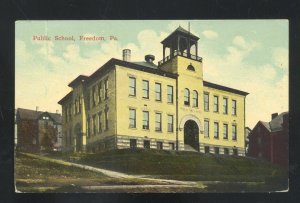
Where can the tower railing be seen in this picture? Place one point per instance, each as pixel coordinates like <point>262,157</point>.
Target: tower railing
<point>180,53</point>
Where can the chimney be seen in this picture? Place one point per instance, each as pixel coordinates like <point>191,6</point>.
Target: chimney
<point>126,54</point>
<point>36,108</point>
<point>285,122</point>
<point>274,115</point>
<point>149,58</point>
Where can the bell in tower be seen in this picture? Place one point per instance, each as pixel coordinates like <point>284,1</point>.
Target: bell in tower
<point>180,43</point>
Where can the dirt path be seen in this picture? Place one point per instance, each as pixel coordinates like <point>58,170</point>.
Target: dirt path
<point>115,174</point>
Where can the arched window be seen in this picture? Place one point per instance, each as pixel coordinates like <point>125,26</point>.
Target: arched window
<point>195,98</point>
<point>186,96</point>
<point>190,67</point>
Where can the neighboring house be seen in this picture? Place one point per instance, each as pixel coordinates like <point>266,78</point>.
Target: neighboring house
<point>247,132</point>
<point>37,130</point>
<point>168,106</point>
<point>270,140</point>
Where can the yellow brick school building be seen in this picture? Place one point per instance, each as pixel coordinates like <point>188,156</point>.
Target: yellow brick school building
<point>168,106</point>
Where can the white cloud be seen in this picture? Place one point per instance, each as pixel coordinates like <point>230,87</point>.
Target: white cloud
<point>209,34</point>
<point>242,43</point>
<point>281,58</point>
<point>230,69</point>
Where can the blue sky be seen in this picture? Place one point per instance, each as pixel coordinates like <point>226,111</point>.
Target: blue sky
<point>250,55</point>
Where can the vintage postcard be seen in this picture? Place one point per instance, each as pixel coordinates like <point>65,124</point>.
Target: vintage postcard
<point>151,106</point>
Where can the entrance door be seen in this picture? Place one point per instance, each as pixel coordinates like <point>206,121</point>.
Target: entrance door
<point>191,134</point>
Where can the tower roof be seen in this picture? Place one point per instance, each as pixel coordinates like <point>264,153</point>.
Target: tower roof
<point>180,31</point>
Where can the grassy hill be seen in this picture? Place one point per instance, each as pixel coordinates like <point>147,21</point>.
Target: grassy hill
<point>183,165</point>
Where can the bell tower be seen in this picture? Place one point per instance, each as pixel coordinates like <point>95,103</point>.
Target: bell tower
<point>180,56</point>
<point>179,43</point>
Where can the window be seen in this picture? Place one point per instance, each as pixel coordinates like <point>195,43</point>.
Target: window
<point>195,98</point>
<point>170,123</point>
<point>206,128</point>
<point>88,101</point>
<point>132,143</point>
<point>170,94</point>
<point>145,120</point>
<point>225,105</point>
<point>106,119</point>
<point>132,86</point>
<point>100,122</point>
<point>171,146</point>
<point>94,95</point>
<point>226,151</point>
<point>216,130</point>
<point>216,104</point>
<point>158,122</point>
<point>99,92</point>
<point>159,145</point>
<point>146,144</point>
<point>217,151</point>
<point>233,107</point>
<point>157,91</point>
<point>132,118</point>
<point>206,101</point>
<point>259,140</point>
<point>145,89</point>
<point>186,97</point>
<point>233,132</point>
<point>225,131</point>
<point>206,149</point>
<point>94,124</point>
<point>88,127</point>
<point>79,104</point>
<point>235,152</point>
<point>106,88</point>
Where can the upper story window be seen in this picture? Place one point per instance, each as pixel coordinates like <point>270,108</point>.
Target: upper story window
<point>132,118</point>
<point>99,92</point>
<point>216,130</point>
<point>233,107</point>
<point>186,97</point>
<point>146,120</point>
<point>216,104</point>
<point>132,86</point>
<point>206,128</point>
<point>88,127</point>
<point>206,101</point>
<point>225,105</point>
<point>233,132</point>
<point>146,89</point>
<point>94,95</point>
<point>80,104</point>
<point>106,88</point>
<point>157,91</point>
<point>195,98</point>
<point>158,122</point>
<point>170,94</point>
<point>190,67</point>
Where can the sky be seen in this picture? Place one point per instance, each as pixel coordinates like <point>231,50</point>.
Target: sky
<point>249,55</point>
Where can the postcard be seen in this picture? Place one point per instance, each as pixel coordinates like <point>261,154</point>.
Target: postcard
<point>151,106</point>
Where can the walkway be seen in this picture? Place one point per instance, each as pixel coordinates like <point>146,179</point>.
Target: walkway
<point>114,174</point>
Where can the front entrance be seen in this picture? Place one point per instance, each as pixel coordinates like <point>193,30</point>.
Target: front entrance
<point>191,134</point>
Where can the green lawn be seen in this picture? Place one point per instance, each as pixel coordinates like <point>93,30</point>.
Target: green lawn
<point>35,175</point>
<point>184,165</point>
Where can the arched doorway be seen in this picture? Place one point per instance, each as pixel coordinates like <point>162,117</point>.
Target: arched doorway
<point>191,134</point>
<point>78,135</point>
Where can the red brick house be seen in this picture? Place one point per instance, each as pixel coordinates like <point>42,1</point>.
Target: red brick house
<point>37,130</point>
<point>270,140</point>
